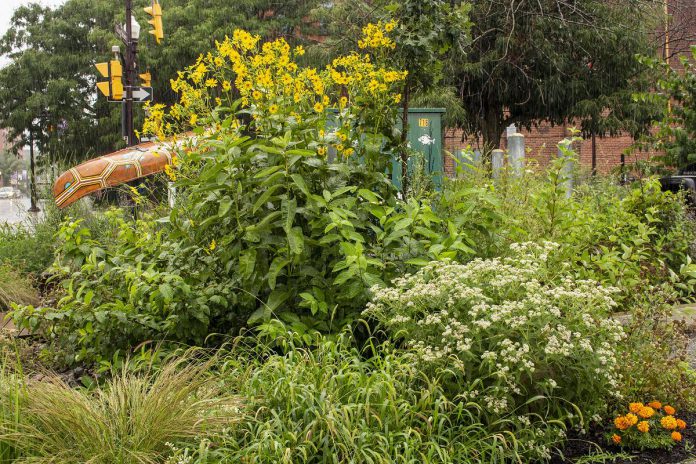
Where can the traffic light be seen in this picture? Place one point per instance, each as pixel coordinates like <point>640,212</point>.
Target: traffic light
<point>156,12</point>
<point>113,88</point>
<point>147,79</point>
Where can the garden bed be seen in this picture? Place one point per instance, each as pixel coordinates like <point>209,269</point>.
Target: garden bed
<point>579,447</point>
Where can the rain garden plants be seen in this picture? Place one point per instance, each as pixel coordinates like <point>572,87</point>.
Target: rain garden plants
<point>470,324</point>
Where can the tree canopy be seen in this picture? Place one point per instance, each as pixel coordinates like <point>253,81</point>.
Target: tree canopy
<point>49,84</point>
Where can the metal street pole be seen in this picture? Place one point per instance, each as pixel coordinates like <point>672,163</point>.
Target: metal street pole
<point>32,173</point>
<point>131,45</point>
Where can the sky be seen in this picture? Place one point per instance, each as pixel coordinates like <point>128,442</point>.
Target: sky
<point>7,7</point>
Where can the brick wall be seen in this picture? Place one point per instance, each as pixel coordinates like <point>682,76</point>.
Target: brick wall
<point>541,144</point>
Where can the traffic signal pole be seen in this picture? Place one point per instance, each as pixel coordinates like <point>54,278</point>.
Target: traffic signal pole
<point>129,77</point>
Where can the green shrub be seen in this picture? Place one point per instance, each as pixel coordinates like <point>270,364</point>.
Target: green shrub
<point>266,226</point>
<point>630,237</point>
<point>129,420</point>
<point>655,358</point>
<point>333,404</point>
<point>532,350</point>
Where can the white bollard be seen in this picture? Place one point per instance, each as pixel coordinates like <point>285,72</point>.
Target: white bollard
<point>565,151</point>
<point>516,153</point>
<point>497,158</point>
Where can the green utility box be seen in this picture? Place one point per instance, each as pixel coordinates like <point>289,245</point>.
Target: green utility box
<point>425,135</point>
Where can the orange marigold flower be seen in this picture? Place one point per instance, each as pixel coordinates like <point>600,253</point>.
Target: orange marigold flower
<point>669,422</point>
<point>635,407</point>
<point>622,423</point>
<point>669,409</point>
<point>655,404</point>
<point>616,439</point>
<point>681,425</point>
<point>676,436</point>
<point>632,419</point>
<point>643,426</point>
<point>646,412</point>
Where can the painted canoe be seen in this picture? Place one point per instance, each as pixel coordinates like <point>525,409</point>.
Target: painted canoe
<point>111,170</point>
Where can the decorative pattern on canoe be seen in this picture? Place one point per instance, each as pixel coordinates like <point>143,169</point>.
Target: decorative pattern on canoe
<point>111,170</point>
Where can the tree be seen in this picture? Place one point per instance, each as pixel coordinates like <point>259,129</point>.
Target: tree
<point>9,164</point>
<point>49,85</point>
<point>675,95</point>
<point>554,60</point>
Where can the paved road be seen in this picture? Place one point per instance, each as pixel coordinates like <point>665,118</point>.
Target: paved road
<point>14,211</point>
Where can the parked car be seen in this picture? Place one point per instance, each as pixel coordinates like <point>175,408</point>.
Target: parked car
<point>9,192</point>
<point>684,179</point>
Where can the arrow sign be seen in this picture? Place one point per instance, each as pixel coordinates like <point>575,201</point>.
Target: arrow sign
<point>142,94</point>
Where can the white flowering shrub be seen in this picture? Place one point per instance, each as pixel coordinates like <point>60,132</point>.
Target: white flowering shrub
<point>530,348</point>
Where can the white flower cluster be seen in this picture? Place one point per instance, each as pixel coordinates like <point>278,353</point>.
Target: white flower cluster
<point>510,325</point>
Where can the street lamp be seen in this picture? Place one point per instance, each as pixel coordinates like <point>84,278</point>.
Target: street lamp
<point>135,29</point>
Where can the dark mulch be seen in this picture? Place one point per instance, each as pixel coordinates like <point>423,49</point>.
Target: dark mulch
<point>594,443</point>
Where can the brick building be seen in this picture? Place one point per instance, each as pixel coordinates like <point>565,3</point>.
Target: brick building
<point>677,39</point>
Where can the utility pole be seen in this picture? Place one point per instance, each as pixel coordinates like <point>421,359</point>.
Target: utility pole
<point>131,45</point>
<point>32,172</point>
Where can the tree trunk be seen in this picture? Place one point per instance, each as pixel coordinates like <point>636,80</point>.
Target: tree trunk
<point>404,138</point>
<point>492,128</point>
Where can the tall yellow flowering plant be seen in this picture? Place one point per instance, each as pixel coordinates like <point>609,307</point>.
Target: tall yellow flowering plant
<point>249,85</point>
<point>284,203</point>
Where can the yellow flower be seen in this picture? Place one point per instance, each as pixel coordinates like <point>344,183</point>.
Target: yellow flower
<point>643,426</point>
<point>256,94</point>
<point>318,107</point>
<point>632,419</point>
<point>193,119</point>
<point>273,109</point>
<point>390,26</point>
<point>339,147</point>
<point>669,410</point>
<point>212,245</point>
<point>299,50</point>
<point>655,404</point>
<point>668,422</point>
<point>325,100</point>
<point>646,412</point>
<point>397,98</point>
<point>635,407</point>
<point>616,439</point>
<point>321,151</point>
<point>348,151</point>
<point>676,436</point>
<point>226,86</point>
<point>321,133</point>
<point>343,102</point>
<point>170,172</point>
<point>211,82</point>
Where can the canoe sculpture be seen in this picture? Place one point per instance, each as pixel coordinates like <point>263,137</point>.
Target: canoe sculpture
<point>111,170</point>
